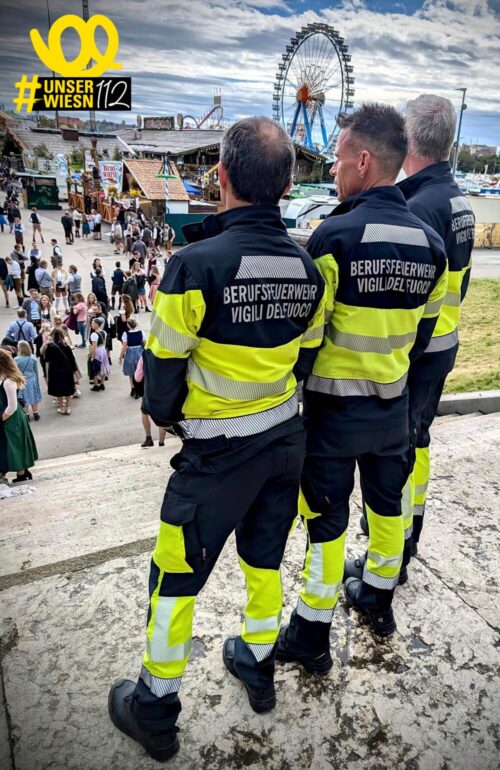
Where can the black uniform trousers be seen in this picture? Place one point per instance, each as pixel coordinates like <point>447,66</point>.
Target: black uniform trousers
<point>249,486</point>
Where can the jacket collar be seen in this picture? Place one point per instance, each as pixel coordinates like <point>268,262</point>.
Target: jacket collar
<point>242,217</point>
<point>377,197</point>
<point>434,174</point>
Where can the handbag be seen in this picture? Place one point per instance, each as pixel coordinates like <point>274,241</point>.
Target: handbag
<point>71,322</point>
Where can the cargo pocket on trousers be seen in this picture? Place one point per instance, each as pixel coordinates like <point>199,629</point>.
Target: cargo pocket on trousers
<point>178,547</point>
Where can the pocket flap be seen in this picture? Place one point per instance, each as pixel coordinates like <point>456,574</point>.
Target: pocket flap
<point>176,510</point>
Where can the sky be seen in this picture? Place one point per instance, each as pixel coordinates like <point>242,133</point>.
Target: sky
<point>178,51</point>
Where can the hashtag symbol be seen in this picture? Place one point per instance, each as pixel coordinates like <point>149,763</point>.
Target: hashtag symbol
<point>24,85</point>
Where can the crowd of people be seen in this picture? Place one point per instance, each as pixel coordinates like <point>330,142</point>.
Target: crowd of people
<point>54,317</point>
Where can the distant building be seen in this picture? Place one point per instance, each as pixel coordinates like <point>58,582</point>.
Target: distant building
<point>482,150</point>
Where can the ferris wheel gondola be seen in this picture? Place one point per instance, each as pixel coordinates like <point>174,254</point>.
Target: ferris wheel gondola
<point>314,85</point>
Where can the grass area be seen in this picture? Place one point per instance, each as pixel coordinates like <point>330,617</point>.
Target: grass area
<point>478,362</point>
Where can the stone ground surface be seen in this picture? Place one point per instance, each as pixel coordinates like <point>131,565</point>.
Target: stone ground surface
<point>74,565</point>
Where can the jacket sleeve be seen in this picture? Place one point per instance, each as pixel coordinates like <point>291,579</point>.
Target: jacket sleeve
<point>429,319</point>
<point>178,312</point>
<point>313,336</point>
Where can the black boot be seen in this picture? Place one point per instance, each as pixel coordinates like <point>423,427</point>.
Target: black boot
<point>369,602</point>
<point>160,746</point>
<point>305,642</point>
<point>363,523</point>
<point>354,568</point>
<point>261,699</point>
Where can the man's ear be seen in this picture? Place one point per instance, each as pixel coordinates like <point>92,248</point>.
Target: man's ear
<point>288,187</point>
<point>222,175</point>
<point>364,163</point>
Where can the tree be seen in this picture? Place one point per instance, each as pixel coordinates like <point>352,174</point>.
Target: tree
<point>42,151</point>
<point>470,163</point>
<point>77,157</point>
<point>117,153</point>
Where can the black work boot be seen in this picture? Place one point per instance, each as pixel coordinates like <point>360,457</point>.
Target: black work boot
<point>313,664</point>
<point>363,523</point>
<point>366,600</point>
<point>354,568</point>
<point>261,699</point>
<point>160,746</point>
<point>306,642</point>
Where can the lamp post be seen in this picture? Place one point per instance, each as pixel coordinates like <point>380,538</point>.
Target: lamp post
<point>457,143</point>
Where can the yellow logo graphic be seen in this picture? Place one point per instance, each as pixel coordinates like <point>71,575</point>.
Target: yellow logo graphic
<point>52,54</point>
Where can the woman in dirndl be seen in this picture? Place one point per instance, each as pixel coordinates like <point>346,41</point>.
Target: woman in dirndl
<point>17,446</point>
<point>133,341</point>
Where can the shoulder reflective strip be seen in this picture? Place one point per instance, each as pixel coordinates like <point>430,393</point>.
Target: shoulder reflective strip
<point>159,686</point>
<point>235,389</point>
<point>312,614</point>
<point>433,307</point>
<point>335,387</point>
<point>421,489</point>
<point>385,561</point>
<point>418,510</point>
<point>323,590</point>
<point>445,342</point>
<point>171,339</point>
<point>460,203</point>
<point>312,334</point>
<point>363,343</point>
<point>451,299</point>
<point>254,625</point>
<point>262,266</point>
<point>248,425</point>
<point>260,651</point>
<point>377,581</point>
<point>383,233</point>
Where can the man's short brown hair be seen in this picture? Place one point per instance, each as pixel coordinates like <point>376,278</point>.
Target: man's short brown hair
<point>380,129</point>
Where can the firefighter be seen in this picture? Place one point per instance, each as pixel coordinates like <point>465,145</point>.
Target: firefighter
<point>385,273</point>
<point>237,322</point>
<point>433,195</point>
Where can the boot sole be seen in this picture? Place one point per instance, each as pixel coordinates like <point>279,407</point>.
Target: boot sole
<point>159,756</point>
<point>311,668</point>
<point>260,707</point>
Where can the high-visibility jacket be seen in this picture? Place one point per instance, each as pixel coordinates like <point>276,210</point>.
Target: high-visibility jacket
<point>386,276</point>
<point>433,195</point>
<point>237,319</point>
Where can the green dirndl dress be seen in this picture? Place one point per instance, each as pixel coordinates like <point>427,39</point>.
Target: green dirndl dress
<point>17,445</point>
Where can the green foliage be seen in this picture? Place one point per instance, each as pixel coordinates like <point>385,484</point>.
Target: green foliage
<point>471,163</point>
<point>77,158</point>
<point>42,151</point>
<point>117,153</point>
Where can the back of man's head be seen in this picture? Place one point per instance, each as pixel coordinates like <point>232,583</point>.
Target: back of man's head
<point>43,263</point>
<point>21,313</point>
<point>430,126</point>
<point>259,158</point>
<point>380,129</point>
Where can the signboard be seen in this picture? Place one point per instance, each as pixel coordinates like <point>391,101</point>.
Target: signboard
<point>167,123</point>
<point>111,172</point>
<point>89,161</point>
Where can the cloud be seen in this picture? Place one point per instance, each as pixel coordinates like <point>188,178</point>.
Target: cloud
<point>177,52</point>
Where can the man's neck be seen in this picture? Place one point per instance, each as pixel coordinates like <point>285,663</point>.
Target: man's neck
<point>415,163</point>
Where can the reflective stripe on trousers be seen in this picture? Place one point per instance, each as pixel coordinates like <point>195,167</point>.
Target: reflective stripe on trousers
<point>385,550</point>
<point>262,618</point>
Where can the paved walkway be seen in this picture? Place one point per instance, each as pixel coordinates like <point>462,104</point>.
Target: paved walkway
<point>73,577</point>
<point>99,419</point>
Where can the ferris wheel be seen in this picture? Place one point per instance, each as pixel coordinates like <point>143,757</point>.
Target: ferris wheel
<point>314,85</point>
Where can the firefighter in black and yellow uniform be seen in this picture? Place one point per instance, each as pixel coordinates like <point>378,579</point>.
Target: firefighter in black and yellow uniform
<point>385,273</point>
<point>434,196</point>
<point>237,322</point>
